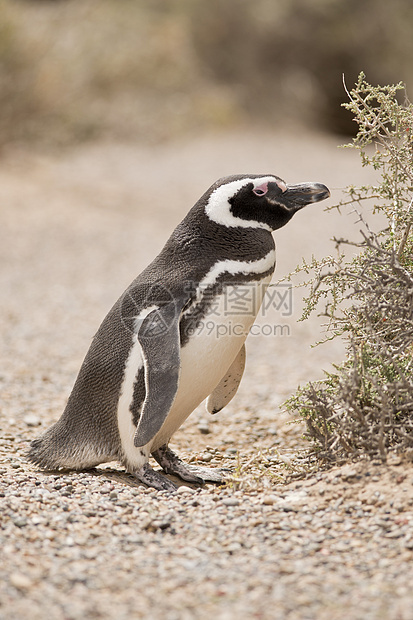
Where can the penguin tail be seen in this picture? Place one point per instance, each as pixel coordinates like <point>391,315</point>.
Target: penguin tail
<point>58,450</point>
<point>40,453</point>
<point>48,452</point>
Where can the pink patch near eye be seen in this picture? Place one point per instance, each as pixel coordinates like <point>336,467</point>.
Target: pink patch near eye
<point>261,190</point>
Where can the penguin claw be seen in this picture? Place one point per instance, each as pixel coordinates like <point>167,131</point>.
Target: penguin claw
<point>210,475</point>
<point>154,479</point>
<point>172,464</point>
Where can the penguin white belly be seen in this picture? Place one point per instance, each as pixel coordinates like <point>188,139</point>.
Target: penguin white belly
<point>210,351</point>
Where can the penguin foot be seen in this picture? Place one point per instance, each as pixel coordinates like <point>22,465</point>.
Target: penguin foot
<point>154,479</point>
<point>172,464</point>
<point>219,474</point>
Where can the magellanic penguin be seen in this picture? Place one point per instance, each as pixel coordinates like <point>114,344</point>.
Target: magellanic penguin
<point>166,345</point>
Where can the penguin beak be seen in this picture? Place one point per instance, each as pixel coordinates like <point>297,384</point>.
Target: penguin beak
<point>298,196</point>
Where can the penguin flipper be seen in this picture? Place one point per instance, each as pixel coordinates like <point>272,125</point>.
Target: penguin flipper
<point>159,338</point>
<point>228,386</point>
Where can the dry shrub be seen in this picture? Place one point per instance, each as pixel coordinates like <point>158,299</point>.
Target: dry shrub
<point>365,407</point>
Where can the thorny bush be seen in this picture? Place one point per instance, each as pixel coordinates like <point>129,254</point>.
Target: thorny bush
<point>365,406</point>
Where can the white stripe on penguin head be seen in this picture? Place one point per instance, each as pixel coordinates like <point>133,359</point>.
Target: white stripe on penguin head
<point>218,207</point>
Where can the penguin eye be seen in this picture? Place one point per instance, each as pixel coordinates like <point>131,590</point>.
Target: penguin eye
<point>261,190</point>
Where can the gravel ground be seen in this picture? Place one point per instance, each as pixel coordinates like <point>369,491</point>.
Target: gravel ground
<point>277,542</point>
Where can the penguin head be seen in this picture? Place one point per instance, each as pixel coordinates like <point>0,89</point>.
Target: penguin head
<point>258,201</point>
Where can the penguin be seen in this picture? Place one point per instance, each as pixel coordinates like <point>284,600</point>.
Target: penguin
<point>176,336</point>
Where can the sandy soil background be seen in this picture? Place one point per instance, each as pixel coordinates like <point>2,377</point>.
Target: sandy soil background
<point>76,228</point>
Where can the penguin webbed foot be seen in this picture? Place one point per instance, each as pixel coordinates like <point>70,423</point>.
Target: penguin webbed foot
<point>154,479</point>
<point>172,464</point>
<point>207,474</point>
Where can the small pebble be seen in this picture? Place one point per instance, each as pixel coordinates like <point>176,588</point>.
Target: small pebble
<point>106,488</point>
<point>20,581</point>
<point>203,427</point>
<point>231,501</point>
<point>269,500</point>
<point>32,420</point>
<point>182,490</point>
